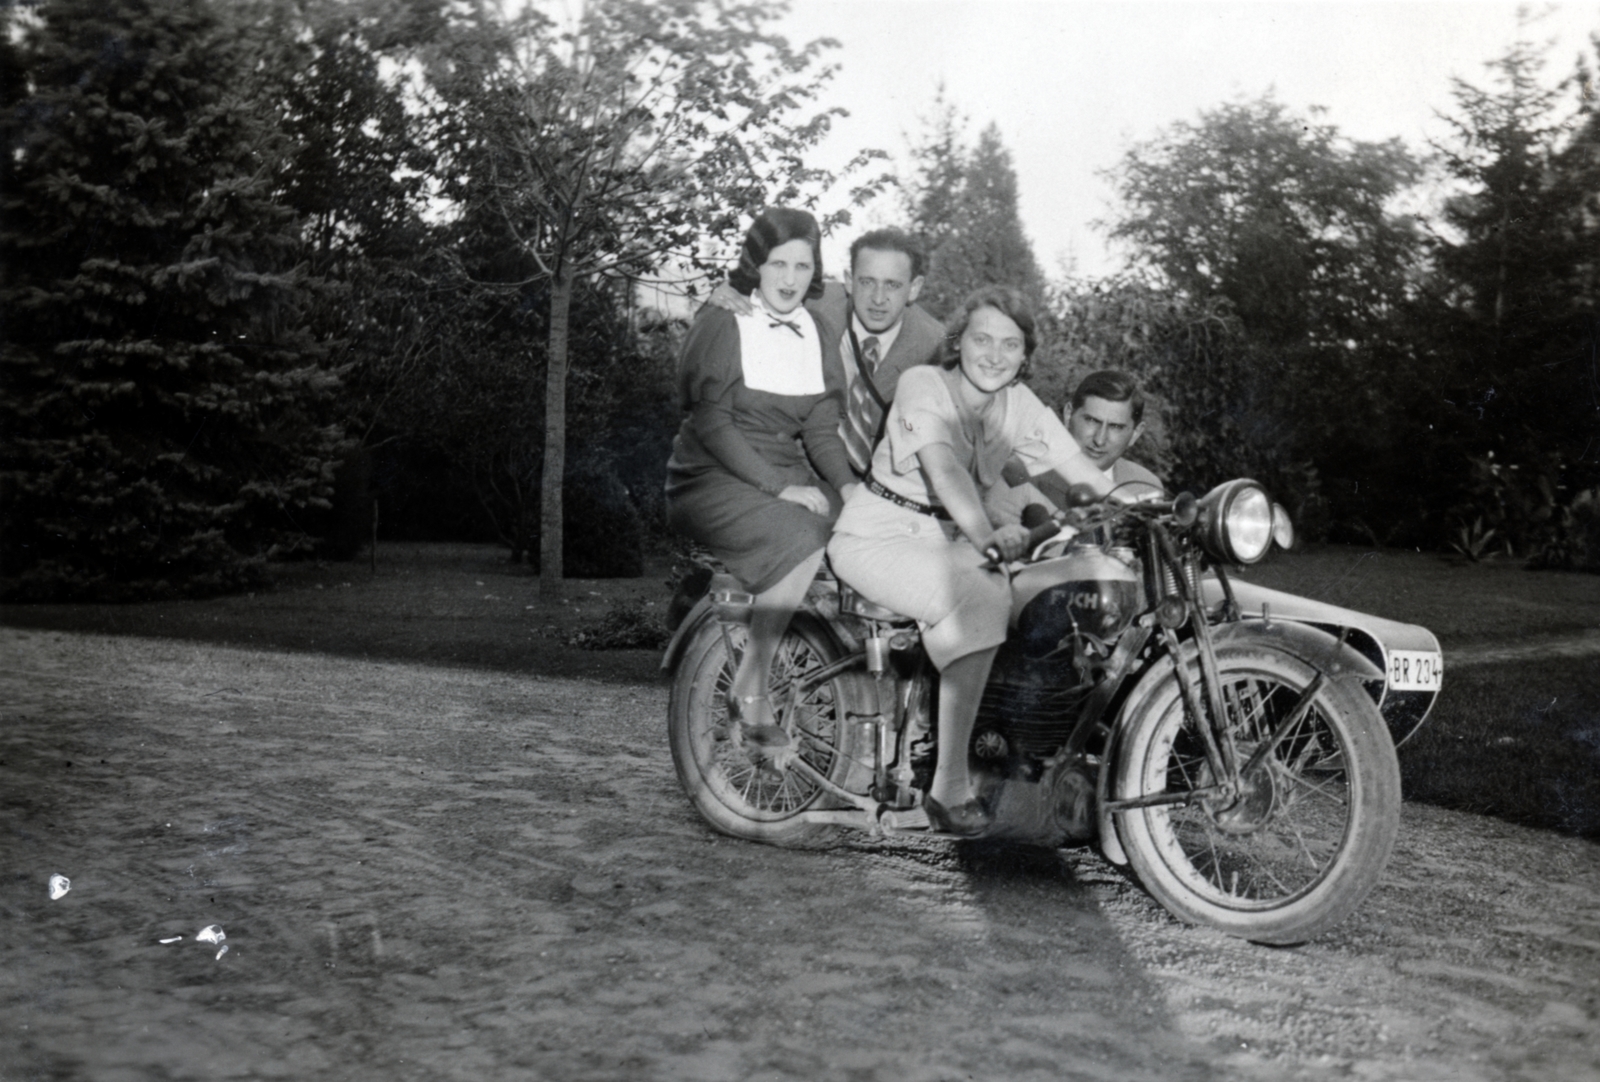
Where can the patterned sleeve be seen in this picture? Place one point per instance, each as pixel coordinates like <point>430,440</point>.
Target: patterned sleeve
<point>921,414</point>
<point>1037,435</point>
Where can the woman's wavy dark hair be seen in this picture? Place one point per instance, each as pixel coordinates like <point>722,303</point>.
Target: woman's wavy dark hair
<point>777,226</point>
<point>1009,302</point>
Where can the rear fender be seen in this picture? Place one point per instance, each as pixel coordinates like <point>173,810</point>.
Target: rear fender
<point>688,628</point>
<point>691,607</point>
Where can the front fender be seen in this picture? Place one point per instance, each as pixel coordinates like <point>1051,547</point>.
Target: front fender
<point>1310,644</point>
<point>1391,648</point>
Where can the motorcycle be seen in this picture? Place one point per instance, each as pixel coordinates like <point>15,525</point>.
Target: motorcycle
<point>1233,746</point>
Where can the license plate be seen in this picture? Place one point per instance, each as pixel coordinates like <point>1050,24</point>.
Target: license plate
<point>1415,670</point>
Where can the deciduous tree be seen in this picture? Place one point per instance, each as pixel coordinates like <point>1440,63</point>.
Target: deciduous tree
<point>638,136</point>
<point>1293,226</point>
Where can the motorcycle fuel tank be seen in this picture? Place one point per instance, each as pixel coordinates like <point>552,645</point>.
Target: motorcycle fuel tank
<point>1086,589</point>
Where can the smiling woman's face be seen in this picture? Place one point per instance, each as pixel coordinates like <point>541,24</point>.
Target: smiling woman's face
<point>992,349</point>
<point>786,275</point>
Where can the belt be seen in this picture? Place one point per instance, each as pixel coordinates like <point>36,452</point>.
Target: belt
<point>909,504</point>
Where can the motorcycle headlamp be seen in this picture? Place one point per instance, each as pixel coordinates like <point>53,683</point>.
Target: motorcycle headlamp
<point>1282,527</point>
<point>1236,522</point>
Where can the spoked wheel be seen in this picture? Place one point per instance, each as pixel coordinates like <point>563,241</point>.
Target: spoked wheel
<point>1310,829</point>
<point>735,794</point>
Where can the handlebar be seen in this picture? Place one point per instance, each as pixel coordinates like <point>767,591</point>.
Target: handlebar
<point>1042,526</point>
<point>1096,511</point>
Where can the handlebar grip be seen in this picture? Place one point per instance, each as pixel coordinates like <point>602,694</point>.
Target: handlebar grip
<point>1042,533</point>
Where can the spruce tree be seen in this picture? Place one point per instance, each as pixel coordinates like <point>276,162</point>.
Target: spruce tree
<point>964,208</point>
<point>1515,311</point>
<point>165,423</point>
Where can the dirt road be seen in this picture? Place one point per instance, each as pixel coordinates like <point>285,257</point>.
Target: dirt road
<point>434,872</point>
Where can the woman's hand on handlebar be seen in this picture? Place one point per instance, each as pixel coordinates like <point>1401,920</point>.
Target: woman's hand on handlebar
<point>1010,542</point>
<point>808,496</point>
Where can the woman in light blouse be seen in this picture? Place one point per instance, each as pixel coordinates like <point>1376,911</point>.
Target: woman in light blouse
<point>915,537</point>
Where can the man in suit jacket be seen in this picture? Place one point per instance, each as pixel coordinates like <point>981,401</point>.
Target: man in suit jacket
<point>881,333</point>
<point>880,329</point>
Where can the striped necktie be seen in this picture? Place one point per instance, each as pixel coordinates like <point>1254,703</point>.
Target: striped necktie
<point>862,415</point>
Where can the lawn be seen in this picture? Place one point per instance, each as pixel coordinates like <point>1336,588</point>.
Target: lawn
<point>1518,739</point>
<point>1515,739</point>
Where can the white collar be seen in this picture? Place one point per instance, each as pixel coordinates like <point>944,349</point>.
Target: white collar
<point>773,357</point>
<point>762,308</point>
<point>885,338</point>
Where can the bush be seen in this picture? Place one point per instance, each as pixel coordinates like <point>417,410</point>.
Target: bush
<point>1525,509</point>
<point>1574,540</point>
<point>630,626</point>
<point>603,534</point>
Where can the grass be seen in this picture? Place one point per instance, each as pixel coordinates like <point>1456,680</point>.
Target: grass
<point>1517,740</point>
<point>450,604</point>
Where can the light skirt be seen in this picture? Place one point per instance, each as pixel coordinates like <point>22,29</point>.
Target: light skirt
<point>924,569</point>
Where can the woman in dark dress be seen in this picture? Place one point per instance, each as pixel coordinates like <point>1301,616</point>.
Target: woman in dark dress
<point>738,482</point>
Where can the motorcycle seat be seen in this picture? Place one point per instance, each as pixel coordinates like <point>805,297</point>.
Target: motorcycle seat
<point>856,605</point>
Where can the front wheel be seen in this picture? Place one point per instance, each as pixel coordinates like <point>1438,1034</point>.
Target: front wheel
<point>1310,830</point>
<point>733,794</point>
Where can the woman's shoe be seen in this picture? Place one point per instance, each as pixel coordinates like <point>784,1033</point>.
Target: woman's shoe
<point>965,820</point>
<point>765,738</point>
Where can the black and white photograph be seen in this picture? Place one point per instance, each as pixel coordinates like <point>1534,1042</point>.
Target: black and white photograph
<point>800,541</point>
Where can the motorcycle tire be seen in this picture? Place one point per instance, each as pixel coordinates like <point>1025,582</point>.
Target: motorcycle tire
<point>730,792</point>
<point>1310,835</point>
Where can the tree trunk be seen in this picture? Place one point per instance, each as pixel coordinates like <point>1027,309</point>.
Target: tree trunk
<point>555,437</point>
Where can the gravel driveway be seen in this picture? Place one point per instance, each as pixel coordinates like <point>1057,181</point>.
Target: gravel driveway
<point>435,872</point>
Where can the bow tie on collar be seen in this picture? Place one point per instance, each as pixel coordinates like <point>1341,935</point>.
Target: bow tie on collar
<point>791,324</point>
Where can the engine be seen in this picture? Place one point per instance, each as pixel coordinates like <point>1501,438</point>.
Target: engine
<point>1066,616</point>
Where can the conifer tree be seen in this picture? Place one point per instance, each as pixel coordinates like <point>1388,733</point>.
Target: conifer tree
<point>964,209</point>
<point>164,422</point>
<point>1516,314</point>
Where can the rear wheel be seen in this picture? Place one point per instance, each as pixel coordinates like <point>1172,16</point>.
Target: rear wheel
<point>735,795</point>
<point>1312,827</point>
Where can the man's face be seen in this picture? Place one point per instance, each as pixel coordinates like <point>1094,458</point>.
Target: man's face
<point>1105,430</point>
<point>880,288</point>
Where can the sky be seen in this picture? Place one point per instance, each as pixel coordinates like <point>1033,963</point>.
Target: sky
<point>1072,84</point>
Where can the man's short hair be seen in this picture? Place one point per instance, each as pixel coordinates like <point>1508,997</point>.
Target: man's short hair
<point>890,240</point>
<point>1112,385</point>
